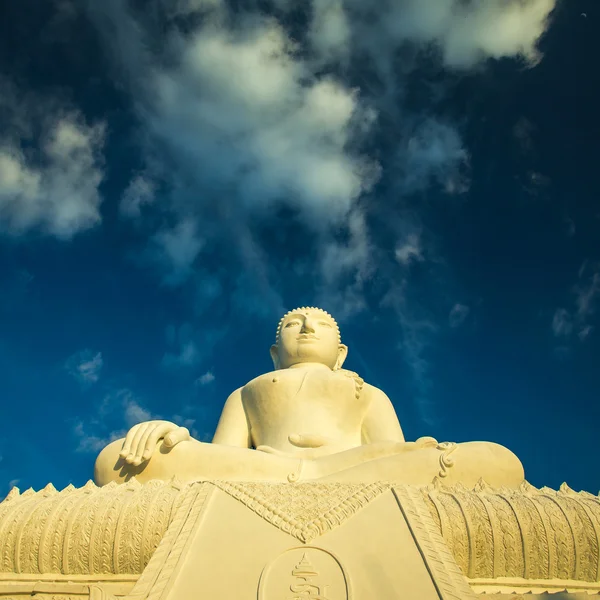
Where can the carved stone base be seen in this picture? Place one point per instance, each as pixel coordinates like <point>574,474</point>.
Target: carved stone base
<point>270,541</point>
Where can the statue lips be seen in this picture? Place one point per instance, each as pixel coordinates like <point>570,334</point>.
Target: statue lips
<point>307,337</point>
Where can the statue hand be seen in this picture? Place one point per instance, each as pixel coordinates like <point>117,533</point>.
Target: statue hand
<point>426,442</point>
<point>309,440</point>
<point>141,440</point>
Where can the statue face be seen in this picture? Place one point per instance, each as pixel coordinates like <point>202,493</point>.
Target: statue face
<point>308,336</point>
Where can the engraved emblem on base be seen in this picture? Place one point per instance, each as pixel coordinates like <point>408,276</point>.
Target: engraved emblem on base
<point>302,573</point>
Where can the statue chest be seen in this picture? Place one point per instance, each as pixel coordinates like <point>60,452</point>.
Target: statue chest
<point>303,395</point>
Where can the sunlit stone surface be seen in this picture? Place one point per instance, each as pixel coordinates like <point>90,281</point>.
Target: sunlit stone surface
<point>308,420</point>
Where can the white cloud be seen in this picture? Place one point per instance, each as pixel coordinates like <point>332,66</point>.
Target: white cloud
<point>562,324</point>
<point>587,295</point>
<point>93,443</point>
<point>249,112</point>
<point>248,119</point>
<point>177,249</point>
<point>50,184</point>
<point>433,152</point>
<point>240,106</point>
<point>417,334</point>
<point>330,31</point>
<point>188,356</point>
<point>410,250</point>
<point>186,353</point>
<point>85,366</point>
<point>139,193</point>
<point>205,379</point>
<point>119,410</point>
<point>135,413</point>
<point>458,314</point>
<point>465,32</point>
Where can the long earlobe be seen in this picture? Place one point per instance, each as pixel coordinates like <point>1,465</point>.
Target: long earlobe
<point>342,354</point>
<point>274,356</point>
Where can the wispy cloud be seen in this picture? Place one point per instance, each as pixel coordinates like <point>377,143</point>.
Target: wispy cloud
<point>185,350</point>
<point>205,379</point>
<point>119,410</point>
<point>88,442</point>
<point>578,321</point>
<point>257,127</point>
<point>458,315</point>
<point>410,250</point>
<point>417,334</point>
<point>140,192</point>
<point>238,107</point>
<point>85,366</point>
<point>51,165</point>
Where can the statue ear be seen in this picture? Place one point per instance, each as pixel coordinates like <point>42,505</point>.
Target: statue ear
<point>274,356</point>
<point>342,354</point>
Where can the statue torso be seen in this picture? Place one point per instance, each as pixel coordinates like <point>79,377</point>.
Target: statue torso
<point>305,401</point>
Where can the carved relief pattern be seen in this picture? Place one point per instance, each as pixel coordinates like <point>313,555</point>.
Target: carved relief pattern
<point>479,529</point>
<point>535,540</point>
<point>591,505</point>
<point>511,540</point>
<point>359,382</point>
<point>304,510</point>
<point>586,544</point>
<point>31,534</point>
<point>9,530</point>
<point>102,555</point>
<point>526,533</point>
<point>154,580</point>
<point>563,538</point>
<point>446,574</point>
<point>457,524</point>
<point>90,530</point>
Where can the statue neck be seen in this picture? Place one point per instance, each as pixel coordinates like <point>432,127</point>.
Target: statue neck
<point>309,365</point>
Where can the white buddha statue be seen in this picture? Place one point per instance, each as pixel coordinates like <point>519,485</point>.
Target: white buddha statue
<point>307,420</point>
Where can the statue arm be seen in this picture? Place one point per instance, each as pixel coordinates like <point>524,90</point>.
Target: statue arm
<point>381,422</point>
<point>232,429</point>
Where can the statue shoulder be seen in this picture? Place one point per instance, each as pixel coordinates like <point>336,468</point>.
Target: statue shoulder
<point>260,379</point>
<point>375,393</point>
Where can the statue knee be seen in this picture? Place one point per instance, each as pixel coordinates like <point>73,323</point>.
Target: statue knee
<point>494,463</point>
<point>108,464</point>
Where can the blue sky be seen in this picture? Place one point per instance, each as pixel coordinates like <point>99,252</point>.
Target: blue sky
<point>174,175</point>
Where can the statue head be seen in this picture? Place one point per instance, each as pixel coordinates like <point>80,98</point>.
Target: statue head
<point>308,335</point>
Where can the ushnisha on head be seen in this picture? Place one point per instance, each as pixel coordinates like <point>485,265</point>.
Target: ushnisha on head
<point>308,335</point>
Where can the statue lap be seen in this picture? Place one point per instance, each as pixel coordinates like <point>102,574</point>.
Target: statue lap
<point>400,462</point>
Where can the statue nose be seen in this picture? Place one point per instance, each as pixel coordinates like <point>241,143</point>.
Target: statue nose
<point>308,326</point>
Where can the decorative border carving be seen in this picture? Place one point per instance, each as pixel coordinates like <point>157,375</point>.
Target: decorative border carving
<point>304,510</point>
<point>85,531</point>
<point>529,533</point>
<point>161,569</point>
<point>517,585</point>
<point>445,573</point>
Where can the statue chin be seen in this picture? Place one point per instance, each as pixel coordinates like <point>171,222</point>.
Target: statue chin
<point>336,428</point>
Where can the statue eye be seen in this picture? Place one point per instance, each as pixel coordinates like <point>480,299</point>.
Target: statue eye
<point>325,323</point>
<point>291,324</point>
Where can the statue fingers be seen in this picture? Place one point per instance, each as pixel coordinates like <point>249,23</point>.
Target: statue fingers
<point>153,436</point>
<point>126,450</point>
<point>140,451</point>
<point>181,434</point>
<point>133,452</point>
